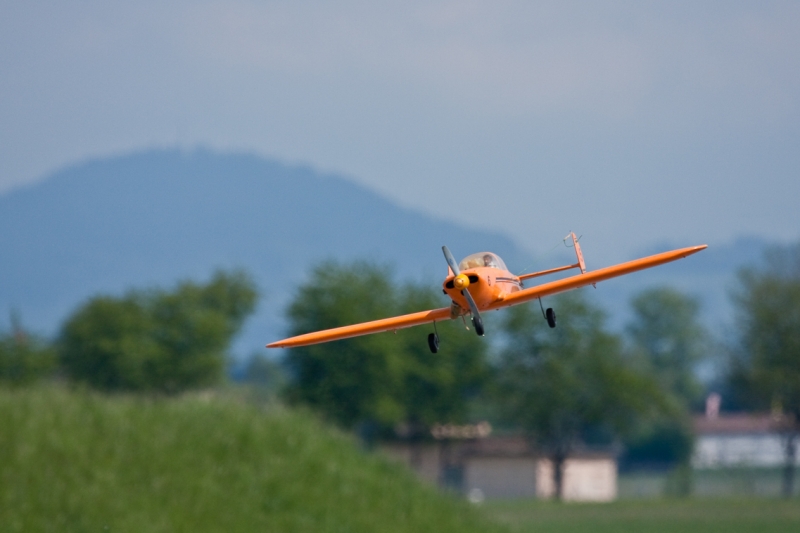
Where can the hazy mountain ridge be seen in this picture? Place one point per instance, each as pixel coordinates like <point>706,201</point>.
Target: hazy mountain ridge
<point>155,217</point>
<point>159,216</point>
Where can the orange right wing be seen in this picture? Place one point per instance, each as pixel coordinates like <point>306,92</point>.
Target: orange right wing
<point>588,278</point>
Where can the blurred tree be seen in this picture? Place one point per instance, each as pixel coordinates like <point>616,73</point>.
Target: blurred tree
<point>384,379</point>
<point>352,381</point>
<point>157,340</point>
<point>765,363</point>
<point>666,335</point>
<point>566,385</point>
<point>665,330</point>
<point>663,441</point>
<point>24,358</point>
<point>265,377</point>
<point>436,386</point>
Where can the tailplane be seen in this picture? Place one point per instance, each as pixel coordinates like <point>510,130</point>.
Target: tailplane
<point>580,264</point>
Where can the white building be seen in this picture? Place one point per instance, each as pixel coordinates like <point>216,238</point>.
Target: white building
<point>507,467</point>
<point>738,440</point>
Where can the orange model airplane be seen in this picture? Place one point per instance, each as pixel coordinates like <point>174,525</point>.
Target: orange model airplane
<point>481,282</point>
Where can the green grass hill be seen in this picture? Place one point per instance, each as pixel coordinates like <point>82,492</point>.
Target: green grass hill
<point>79,461</point>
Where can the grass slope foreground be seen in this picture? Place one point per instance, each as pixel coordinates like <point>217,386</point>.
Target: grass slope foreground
<point>76,461</point>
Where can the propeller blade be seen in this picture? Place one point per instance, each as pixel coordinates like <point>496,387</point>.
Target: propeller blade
<point>473,308</point>
<point>451,261</point>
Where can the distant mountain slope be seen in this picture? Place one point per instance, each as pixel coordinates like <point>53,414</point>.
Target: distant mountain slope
<point>154,217</point>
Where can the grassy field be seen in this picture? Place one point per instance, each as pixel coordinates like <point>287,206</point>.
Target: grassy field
<point>652,516</point>
<point>709,483</point>
<point>75,461</point>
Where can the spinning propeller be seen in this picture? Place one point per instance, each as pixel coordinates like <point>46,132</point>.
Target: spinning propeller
<point>461,282</point>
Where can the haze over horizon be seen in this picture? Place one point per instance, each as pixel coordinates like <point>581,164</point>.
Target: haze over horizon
<point>156,217</point>
<point>630,123</point>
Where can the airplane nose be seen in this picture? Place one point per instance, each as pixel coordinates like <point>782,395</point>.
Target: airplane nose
<point>461,282</point>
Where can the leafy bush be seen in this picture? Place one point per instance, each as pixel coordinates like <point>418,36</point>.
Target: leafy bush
<point>157,340</point>
<point>24,359</point>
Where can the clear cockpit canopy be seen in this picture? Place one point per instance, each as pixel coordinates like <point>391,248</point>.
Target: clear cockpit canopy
<point>482,259</point>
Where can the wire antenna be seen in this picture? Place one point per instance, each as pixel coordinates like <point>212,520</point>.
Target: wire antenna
<point>548,252</point>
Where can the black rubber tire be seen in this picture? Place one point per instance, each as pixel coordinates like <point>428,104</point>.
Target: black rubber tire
<point>478,323</point>
<point>551,317</point>
<point>433,342</point>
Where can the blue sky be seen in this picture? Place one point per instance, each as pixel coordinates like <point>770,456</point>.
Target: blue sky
<point>627,122</point>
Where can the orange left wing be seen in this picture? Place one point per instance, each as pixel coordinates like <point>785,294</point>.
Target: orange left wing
<point>365,328</point>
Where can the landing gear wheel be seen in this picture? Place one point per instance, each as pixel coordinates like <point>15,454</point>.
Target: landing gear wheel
<point>478,323</point>
<point>433,342</point>
<point>551,317</point>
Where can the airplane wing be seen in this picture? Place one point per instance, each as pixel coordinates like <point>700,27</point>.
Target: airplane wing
<point>364,328</point>
<point>588,278</point>
<point>436,315</point>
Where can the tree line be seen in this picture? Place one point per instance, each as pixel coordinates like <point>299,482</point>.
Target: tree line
<point>147,340</point>
<point>578,384</point>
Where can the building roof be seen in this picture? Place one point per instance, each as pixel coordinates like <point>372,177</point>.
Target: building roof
<point>736,424</point>
<point>517,446</point>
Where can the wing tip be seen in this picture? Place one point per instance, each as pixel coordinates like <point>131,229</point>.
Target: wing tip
<point>698,248</point>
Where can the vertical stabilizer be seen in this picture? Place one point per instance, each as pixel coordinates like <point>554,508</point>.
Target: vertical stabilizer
<point>578,252</point>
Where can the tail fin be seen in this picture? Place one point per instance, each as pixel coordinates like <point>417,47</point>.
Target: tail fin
<point>578,252</point>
